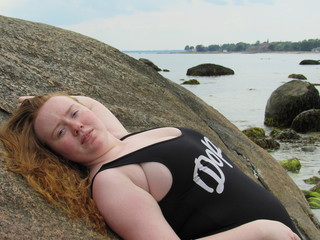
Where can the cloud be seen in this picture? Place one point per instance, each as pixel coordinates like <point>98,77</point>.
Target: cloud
<point>10,3</point>
<point>194,22</point>
<point>172,24</point>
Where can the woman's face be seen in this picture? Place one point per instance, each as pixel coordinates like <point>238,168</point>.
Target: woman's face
<point>71,129</point>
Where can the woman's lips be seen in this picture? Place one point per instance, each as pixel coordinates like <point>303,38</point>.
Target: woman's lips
<point>86,137</point>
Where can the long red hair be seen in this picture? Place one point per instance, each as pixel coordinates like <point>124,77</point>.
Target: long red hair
<point>61,182</point>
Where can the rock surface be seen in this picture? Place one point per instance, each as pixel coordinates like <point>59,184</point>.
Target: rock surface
<point>150,64</point>
<point>37,58</point>
<point>288,100</point>
<point>209,69</point>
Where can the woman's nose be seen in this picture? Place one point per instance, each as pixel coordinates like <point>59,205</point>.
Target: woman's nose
<point>76,128</point>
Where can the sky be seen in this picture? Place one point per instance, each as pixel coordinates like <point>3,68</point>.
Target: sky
<point>173,24</point>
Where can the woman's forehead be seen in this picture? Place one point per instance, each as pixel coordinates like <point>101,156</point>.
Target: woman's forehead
<point>55,106</point>
<point>58,103</point>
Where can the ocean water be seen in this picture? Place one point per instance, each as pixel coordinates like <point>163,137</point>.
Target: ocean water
<point>242,97</point>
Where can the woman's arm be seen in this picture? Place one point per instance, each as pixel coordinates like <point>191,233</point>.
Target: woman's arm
<point>128,209</point>
<point>257,230</point>
<point>135,215</point>
<point>113,125</point>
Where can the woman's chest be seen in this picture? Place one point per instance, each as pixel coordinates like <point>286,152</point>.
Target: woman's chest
<point>152,177</point>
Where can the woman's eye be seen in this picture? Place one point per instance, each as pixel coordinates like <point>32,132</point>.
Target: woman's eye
<point>61,132</point>
<point>75,113</point>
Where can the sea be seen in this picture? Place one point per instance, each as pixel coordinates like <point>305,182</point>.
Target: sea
<point>242,97</point>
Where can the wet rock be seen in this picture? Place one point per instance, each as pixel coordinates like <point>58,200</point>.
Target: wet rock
<point>287,101</point>
<point>258,136</point>
<point>307,121</point>
<point>150,64</point>
<point>309,62</point>
<point>285,135</point>
<point>209,70</point>
<point>291,165</point>
<point>297,76</point>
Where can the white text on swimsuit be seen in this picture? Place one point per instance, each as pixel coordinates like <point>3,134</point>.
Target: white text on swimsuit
<point>215,159</point>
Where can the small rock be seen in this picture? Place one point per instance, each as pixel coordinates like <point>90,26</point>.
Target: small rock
<point>297,76</point>
<point>191,82</point>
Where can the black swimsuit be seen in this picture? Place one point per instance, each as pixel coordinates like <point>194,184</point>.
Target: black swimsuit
<point>209,194</point>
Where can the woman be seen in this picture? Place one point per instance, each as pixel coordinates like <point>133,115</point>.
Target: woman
<point>163,183</point>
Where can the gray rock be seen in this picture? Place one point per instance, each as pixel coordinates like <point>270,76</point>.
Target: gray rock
<point>209,69</point>
<point>287,101</point>
<point>37,58</point>
<point>307,121</point>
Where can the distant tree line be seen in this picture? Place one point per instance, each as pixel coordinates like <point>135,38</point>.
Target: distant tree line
<point>305,45</point>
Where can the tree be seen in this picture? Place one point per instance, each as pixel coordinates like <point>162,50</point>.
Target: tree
<point>305,45</point>
<point>213,48</point>
<point>201,48</point>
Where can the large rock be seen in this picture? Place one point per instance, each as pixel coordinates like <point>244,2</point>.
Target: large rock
<point>37,58</point>
<point>288,100</point>
<point>307,121</point>
<point>209,69</point>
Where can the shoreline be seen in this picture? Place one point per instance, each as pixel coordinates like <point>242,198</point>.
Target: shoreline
<point>213,52</point>
<point>271,52</point>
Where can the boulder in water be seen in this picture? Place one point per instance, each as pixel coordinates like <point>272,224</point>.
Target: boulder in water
<point>209,69</point>
<point>287,101</point>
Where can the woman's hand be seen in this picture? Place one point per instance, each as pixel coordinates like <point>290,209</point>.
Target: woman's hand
<point>273,230</point>
<point>22,98</point>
